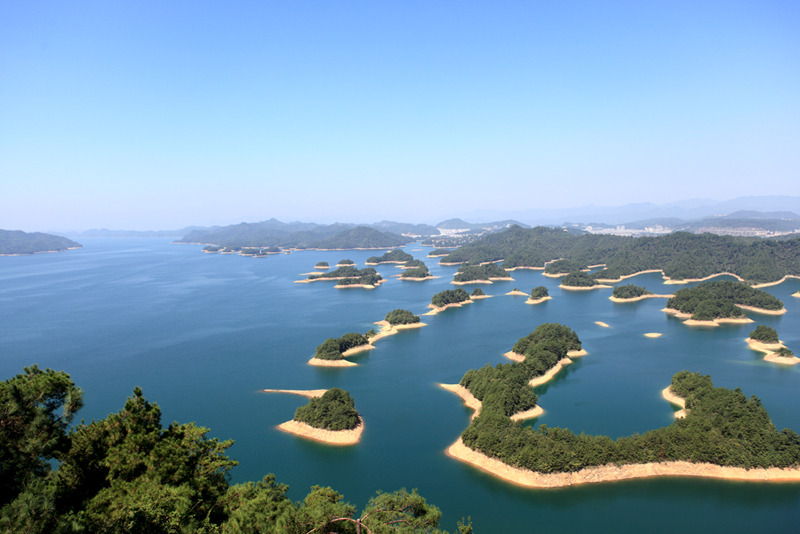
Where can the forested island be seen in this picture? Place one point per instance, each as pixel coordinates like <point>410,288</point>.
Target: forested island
<point>478,293</point>
<point>345,262</point>
<point>416,270</point>
<point>724,434</point>
<point>630,292</point>
<point>334,410</point>
<point>394,256</point>
<point>539,294</point>
<point>322,265</point>
<point>127,473</point>
<point>17,243</point>
<point>563,267</point>
<point>681,255</point>
<point>348,276</point>
<point>580,280</point>
<point>439,252</point>
<point>484,274</point>
<point>400,317</point>
<point>765,339</point>
<point>448,298</point>
<point>721,300</point>
<point>331,352</point>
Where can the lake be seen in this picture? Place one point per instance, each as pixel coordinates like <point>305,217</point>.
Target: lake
<point>202,334</point>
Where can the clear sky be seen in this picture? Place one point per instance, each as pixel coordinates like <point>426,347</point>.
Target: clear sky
<point>157,115</point>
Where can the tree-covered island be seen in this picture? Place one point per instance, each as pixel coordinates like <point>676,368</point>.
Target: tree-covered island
<point>348,276</point>
<point>332,351</point>
<point>416,270</point>
<point>322,265</point>
<point>127,473</point>
<point>449,298</point>
<point>580,280</point>
<point>393,256</point>
<point>563,267</point>
<point>633,293</point>
<point>17,242</point>
<point>345,262</point>
<point>401,317</point>
<point>478,293</point>
<point>712,302</point>
<point>484,274</point>
<point>765,339</point>
<point>439,252</point>
<point>724,434</point>
<point>538,294</point>
<point>334,410</point>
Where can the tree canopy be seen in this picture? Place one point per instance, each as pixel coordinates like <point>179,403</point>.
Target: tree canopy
<point>393,256</point>
<point>397,317</point>
<point>333,347</point>
<point>19,242</point>
<point>449,296</point>
<point>539,292</point>
<point>764,334</point>
<point>719,299</point>
<point>334,410</point>
<point>630,291</point>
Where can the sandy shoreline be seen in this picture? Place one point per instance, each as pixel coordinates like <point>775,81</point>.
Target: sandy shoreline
<point>554,275</point>
<point>319,362</point>
<point>763,311</point>
<point>601,323</point>
<point>653,334</point>
<point>437,309</point>
<point>576,288</point>
<point>474,404</point>
<point>331,437</point>
<point>796,294</point>
<point>677,400</point>
<point>523,267</point>
<point>692,322</point>
<point>640,297</point>
<point>539,380</point>
<point>769,352</point>
<point>389,330</point>
<point>479,297</point>
<point>412,279</point>
<point>517,292</point>
<point>538,301</point>
<point>625,276</point>
<point>670,281</point>
<point>304,392</point>
<point>607,473</point>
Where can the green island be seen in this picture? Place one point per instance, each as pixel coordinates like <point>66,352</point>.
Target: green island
<point>764,334</point>
<point>580,280</point>
<point>477,292</point>
<point>334,348</point>
<point>480,274</point>
<point>345,262</point>
<point>722,428</point>
<point>765,339</point>
<point>398,317</point>
<point>439,252</point>
<point>321,265</point>
<point>17,242</point>
<point>720,300</point>
<point>393,256</point>
<point>349,276</point>
<point>630,291</point>
<point>412,264</point>
<point>449,297</point>
<point>680,255</point>
<point>539,294</point>
<point>334,410</point>
<point>417,271</point>
<point>128,473</point>
<point>561,267</point>
<point>505,387</point>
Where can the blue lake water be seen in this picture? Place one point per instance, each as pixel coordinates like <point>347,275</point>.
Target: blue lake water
<point>202,334</point>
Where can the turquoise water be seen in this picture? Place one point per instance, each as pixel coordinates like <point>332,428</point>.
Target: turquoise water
<point>203,333</point>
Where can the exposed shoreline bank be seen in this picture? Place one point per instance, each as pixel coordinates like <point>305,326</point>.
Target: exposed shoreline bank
<point>538,301</point>
<point>769,350</point>
<point>694,322</point>
<point>673,398</point>
<point>331,437</point>
<point>582,288</point>
<point>640,297</point>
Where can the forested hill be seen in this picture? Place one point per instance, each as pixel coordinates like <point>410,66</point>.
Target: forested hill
<point>19,242</point>
<point>274,233</point>
<point>680,255</point>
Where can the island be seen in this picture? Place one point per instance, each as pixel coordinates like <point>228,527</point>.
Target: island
<point>633,293</point>
<point>449,298</point>
<point>332,351</point>
<point>559,268</point>
<point>713,303</point>
<point>322,265</point>
<point>580,281</point>
<point>345,263</point>
<point>439,252</point>
<point>394,256</point>
<point>723,435</point>
<point>539,294</point>
<point>479,274</point>
<point>478,294</point>
<point>765,339</point>
<point>348,276</point>
<point>517,292</point>
<point>19,243</point>
<point>330,418</point>
<point>417,271</point>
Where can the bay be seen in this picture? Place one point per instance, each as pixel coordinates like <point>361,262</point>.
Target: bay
<point>202,334</point>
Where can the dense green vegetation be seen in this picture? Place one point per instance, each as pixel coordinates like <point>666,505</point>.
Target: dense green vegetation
<point>713,300</point>
<point>564,266</point>
<point>322,264</point>
<point>19,242</point>
<point>350,276</point>
<point>449,296</point>
<point>363,280</point>
<point>680,255</point>
<point>393,256</point>
<point>439,252</point>
<point>783,352</point>
<point>346,262</point>
<point>504,388</point>
<point>539,292</point>
<point>764,334</point>
<point>722,427</point>
<point>211,248</point>
<point>578,279</point>
<point>396,317</point>
<point>333,347</point>
<point>630,291</point>
<point>334,410</point>
<point>477,292</point>
<point>410,264</point>
<point>470,273</point>
<point>419,271</point>
<point>126,473</point>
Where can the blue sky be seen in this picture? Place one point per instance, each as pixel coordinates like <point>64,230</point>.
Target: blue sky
<point>158,115</point>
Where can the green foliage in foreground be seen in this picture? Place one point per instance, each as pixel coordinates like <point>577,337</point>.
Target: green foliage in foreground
<point>128,474</point>
<point>449,296</point>
<point>504,388</point>
<point>396,255</point>
<point>630,291</point>
<point>469,273</point>
<point>19,242</point>
<point>539,292</point>
<point>723,427</point>
<point>334,410</point>
<point>396,317</point>
<point>764,334</point>
<point>333,347</point>
<point>477,292</point>
<point>564,266</point>
<point>578,279</point>
<point>713,300</point>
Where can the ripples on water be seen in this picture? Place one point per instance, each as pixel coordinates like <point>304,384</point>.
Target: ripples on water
<point>203,333</point>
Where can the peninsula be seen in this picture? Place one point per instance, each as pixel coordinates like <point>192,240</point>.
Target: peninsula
<point>394,256</point>
<point>449,298</point>
<point>348,276</point>
<point>765,339</point>
<point>19,243</point>
<point>633,293</point>
<point>332,351</point>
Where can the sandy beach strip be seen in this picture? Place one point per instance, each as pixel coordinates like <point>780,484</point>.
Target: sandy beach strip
<point>608,473</point>
<point>576,353</point>
<point>471,282</point>
<point>762,310</point>
<point>517,292</point>
<point>677,400</point>
<point>536,411</point>
<point>412,279</point>
<point>554,275</point>
<point>538,301</point>
<point>601,323</point>
<point>514,356</point>
<point>576,288</point>
<point>525,267</point>
<point>716,322</point>
<point>356,350</point>
<point>479,297</point>
<point>769,352</point>
<point>331,437</point>
<point>776,282</point>
<point>796,294</point>
<point>437,309</point>
<point>319,362</point>
<point>625,276</point>
<point>670,281</point>
<point>304,392</point>
<point>553,371</point>
<point>389,330</point>
<point>474,404</point>
<point>652,334</point>
<point>640,297</point>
